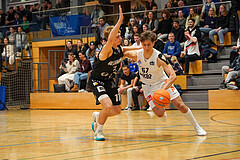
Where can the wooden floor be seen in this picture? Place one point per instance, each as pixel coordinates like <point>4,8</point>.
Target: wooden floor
<point>67,134</point>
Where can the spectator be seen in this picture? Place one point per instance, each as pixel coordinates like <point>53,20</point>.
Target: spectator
<point>25,25</point>
<point>102,26</point>
<point>159,45</point>
<point>155,13</point>
<point>103,41</point>
<point>176,66</point>
<point>126,42</point>
<point>17,20</point>
<point>58,5</point>
<point>193,30</point>
<point>24,12</point>
<point>8,51</point>
<point>209,4</point>
<point>184,9</point>
<point>138,20</point>
<point>136,30</point>
<point>70,69</point>
<point>145,27</point>
<point>137,6</point>
<point>178,32</point>
<point>193,15</point>
<point>126,85</point>
<point>21,39</point>
<point>150,4</point>
<point>163,30</point>
<point>129,29</point>
<point>133,67</point>
<point>125,62</point>
<point>152,22</point>
<point>191,51</point>
<point>2,17</point>
<point>35,15</point>
<point>172,48</point>
<point>82,74</point>
<point>12,35</point>
<point>96,14</point>
<point>181,19</point>
<point>209,22</point>
<point>80,47</point>
<point>70,49</point>
<point>91,52</point>
<point>137,40</point>
<point>221,25</point>
<point>173,12</point>
<point>10,16</point>
<point>231,70</point>
<point>233,53</point>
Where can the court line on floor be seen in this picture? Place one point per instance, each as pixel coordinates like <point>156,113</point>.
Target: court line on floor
<point>212,118</point>
<point>216,154</point>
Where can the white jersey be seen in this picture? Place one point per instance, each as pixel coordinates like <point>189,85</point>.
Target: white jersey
<point>150,73</point>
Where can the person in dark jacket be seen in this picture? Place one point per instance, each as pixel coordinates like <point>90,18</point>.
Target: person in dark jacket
<point>164,26</point>
<point>209,22</point>
<point>221,25</point>
<point>194,31</point>
<point>178,32</point>
<point>231,70</point>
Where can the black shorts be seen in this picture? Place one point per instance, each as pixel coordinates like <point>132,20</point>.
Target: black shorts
<point>103,89</point>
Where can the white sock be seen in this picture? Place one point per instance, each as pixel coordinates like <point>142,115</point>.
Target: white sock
<point>189,116</point>
<point>99,127</point>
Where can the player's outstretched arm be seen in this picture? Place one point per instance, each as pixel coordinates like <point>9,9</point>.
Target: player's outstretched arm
<point>131,54</point>
<point>107,49</point>
<point>170,72</point>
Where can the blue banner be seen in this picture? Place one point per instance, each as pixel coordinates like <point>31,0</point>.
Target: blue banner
<point>68,25</point>
<point>2,97</point>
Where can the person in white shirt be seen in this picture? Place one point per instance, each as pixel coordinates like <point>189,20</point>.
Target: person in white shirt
<point>191,51</point>
<point>156,73</point>
<point>137,40</point>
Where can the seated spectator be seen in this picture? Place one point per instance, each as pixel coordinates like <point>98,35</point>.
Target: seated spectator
<point>181,19</point>
<point>126,42</point>
<point>184,9</point>
<point>8,51</point>
<point>137,40</point>
<point>163,30</point>
<point>125,62</point>
<point>172,48</point>
<point>231,70</point>
<point>209,22</point>
<point>82,73</point>
<point>91,52</point>
<point>2,18</point>
<point>21,39</point>
<point>152,22</point>
<point>233,53</point>
<point>178,32</point>
<point>80,47</point>
<point>173,12</point>
<point>193,15</point>
<point>96,14</point>
<point>70,49</point>
<point>17,20</point>
<point>24,12</point>
<point>191,51</point>
<point>209,4</point>
<point>70,69</point>
<point>10,16</point>
<point>133,67</point>
<point>129,29</point>
<point>12,35</point>
<point>102,25</point>
<point>137,5</point>
<point>221,25</point>
<point>159,45</point>
<point>25,25</point>
<point>126,85</point>
<point>150,4</point>
<point>138,20</point>
<point>103,41</point>
<point>136,30</point>
<point>145,27</point>
<point>193,30</point>
<point>176,66</point>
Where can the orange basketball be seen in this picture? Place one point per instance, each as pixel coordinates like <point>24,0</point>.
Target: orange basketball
<point>161,98</point>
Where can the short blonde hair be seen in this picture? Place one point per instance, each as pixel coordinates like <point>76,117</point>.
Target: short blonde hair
<point>108,30</point>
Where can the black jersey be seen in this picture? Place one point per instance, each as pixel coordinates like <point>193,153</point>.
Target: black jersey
<point>106,70</point>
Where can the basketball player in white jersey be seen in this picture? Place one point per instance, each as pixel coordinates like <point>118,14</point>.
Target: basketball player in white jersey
<point>152,65</point>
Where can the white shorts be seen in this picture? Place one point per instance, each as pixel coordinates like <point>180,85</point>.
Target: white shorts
<point>148,91</point>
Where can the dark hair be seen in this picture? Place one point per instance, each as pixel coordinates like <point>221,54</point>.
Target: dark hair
<point>192,20</point>
<point>148,35</point>
<point>81,40</point>
<point>103,18</point>
<point>105,39</point>
<point>10,8</point>
<point>49,2</point>
<point>176,21</point>
<point>69,41</point>
<point>125,66</point>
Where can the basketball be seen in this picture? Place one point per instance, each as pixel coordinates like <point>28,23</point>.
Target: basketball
<point>161,98</point>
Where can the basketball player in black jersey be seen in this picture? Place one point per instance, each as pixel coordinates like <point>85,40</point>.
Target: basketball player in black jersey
<point>101,82</point>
